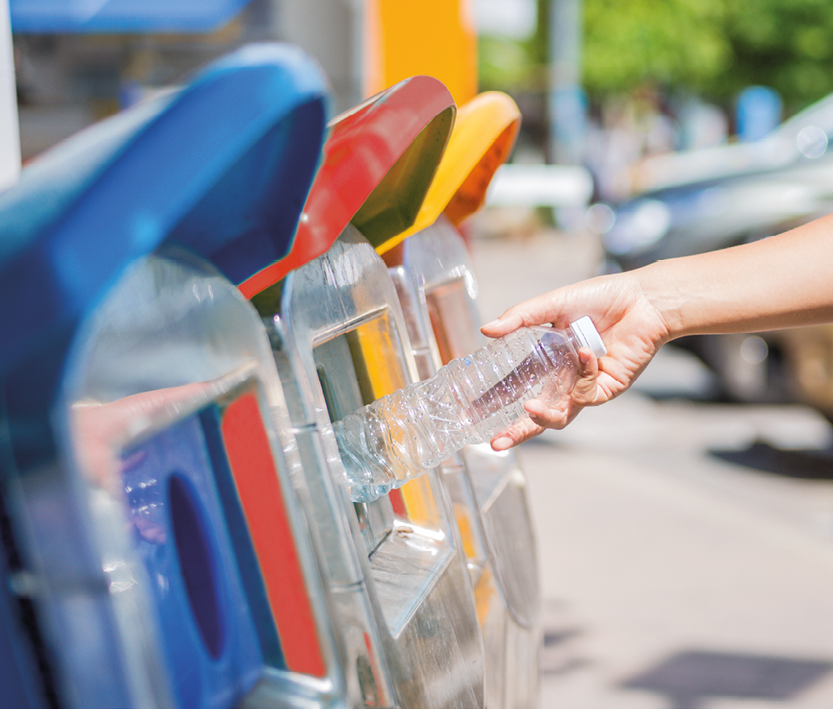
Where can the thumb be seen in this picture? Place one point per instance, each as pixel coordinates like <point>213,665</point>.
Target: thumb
<point>584,390</point>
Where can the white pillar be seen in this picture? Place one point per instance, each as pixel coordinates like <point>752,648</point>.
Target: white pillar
<point>9,128</point>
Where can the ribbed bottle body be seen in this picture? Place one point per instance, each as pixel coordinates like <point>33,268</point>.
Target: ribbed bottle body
<point>397,437</point>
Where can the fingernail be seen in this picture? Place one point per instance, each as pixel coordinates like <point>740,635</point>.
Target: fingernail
<point>494,323</point>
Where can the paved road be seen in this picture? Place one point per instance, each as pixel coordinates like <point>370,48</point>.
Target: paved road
<point>686,547</point>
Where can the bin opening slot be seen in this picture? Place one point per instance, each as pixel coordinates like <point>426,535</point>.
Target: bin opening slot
<point>376,367</point>
<point>343,394</point>
<point>175,479</point>
<point>197,562</point>
<point>452,319</point>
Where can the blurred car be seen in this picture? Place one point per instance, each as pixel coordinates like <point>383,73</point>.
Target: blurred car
<point>704,200</point>
<point>697,201</point>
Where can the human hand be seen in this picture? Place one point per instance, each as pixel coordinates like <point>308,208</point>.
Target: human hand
<point>630,325</point>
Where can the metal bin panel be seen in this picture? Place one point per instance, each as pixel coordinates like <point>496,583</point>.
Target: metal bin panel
<point>174,374</point>
<point>352,346</point>
<point>436,283</point>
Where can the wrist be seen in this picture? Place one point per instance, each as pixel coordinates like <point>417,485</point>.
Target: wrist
<point>661,293</point>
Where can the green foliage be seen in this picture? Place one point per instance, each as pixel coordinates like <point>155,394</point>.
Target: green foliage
<point>664,41</point>
<point>713,47</point>
<point>515,65</point>
<point>785,44</point>
<point>506,65</point>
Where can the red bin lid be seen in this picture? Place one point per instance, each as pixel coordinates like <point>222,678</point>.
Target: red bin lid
<point>379,161</point>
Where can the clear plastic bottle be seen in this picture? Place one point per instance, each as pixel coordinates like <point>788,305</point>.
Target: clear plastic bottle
<point>399,436</point>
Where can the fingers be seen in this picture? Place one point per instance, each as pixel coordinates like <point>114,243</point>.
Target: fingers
<point>535,311</point>
<point>542,417</point>
<point>505,324</point>
<point>520,431</point>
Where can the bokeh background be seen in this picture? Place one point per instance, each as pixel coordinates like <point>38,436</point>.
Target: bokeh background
<point>685,531</point>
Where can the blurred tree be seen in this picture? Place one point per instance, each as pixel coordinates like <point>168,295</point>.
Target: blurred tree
<point>676,42</point>
<point>506,64</point>
<point>711,47</point>
<point>785,44</point>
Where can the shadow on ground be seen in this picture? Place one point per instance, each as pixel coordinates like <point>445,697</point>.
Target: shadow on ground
<point>801,464</point>
<point>692,677</point>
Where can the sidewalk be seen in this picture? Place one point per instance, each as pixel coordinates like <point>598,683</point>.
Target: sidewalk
<point>673,577</point>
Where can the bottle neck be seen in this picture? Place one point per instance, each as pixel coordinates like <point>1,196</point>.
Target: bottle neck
<point>587,335</point>
<point>573,341</point>
<point>553,344</point>
<point>564,337</point>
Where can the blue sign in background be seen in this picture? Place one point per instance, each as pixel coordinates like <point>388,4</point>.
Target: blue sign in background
<point>121,15</point>
<point>758,112</point>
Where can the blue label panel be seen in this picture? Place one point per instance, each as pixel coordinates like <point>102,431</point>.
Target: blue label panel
<point>205,614</point>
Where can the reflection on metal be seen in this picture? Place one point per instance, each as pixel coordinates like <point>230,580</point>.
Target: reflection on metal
<point>165,389</point>
<point>403,584</point>
<point>488,490</point>
<point>171,386</point>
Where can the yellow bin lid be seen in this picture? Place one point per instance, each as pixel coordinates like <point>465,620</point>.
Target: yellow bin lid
<point>482,138</point>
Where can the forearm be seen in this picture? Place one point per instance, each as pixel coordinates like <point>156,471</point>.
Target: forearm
<point>782,281</point>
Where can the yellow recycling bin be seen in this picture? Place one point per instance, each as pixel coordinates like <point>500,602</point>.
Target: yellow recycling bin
<point>430,266</point>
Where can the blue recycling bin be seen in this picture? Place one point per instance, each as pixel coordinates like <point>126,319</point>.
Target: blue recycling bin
<point>135,381</point>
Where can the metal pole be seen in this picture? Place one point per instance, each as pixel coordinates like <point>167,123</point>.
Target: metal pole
<point>9,126</point>
<point>567,110</point>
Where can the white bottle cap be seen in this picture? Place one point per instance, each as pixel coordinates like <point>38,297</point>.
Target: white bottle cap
<point>588,336</point>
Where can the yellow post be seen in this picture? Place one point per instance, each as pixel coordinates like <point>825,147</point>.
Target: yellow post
<point>433,37</point>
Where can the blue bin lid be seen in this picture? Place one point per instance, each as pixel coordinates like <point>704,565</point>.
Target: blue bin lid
<point>221,168</point>
<point>121,15</point>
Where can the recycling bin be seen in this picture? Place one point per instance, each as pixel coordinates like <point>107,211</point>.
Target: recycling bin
<point>432,271</point>
<point>154,550</point>
<point>337,330</point>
